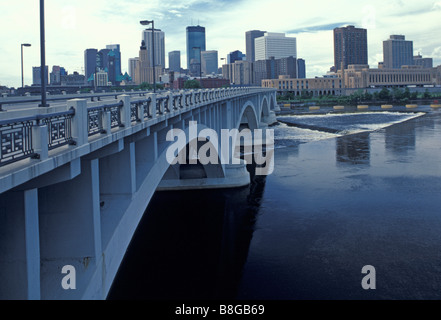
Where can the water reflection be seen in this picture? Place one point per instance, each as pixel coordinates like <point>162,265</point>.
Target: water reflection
<point>401,138</point>
<point>354,149</point>
<point>190,245</point>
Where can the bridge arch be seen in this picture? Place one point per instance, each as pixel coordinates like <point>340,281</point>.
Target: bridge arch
<point>248,116</point>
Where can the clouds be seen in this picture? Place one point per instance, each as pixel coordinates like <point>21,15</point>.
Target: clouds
<point>73,26</point>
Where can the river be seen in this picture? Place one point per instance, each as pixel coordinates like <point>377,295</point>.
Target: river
<point>360,189</point>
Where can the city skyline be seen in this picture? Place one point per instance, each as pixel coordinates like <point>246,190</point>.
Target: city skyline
<point>72,28</point>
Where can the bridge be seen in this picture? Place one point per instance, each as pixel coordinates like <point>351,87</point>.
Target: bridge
<point>76,178</point>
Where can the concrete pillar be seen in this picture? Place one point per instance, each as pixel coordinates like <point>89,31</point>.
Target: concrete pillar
<point>170,102</point>
<point>152,106</point>
<point>20,245</point>
<point>140,108</point>
<point>106,121</point>
<point>40,141</point>
<point>80,125</point>
<point>126,110</point>
<point>70,231</point>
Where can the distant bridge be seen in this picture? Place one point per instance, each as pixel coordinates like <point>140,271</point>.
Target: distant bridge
<point>76,179</point>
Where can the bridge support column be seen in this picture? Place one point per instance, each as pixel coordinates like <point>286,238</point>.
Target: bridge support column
<point>70,233</point>
<point>20,245</point>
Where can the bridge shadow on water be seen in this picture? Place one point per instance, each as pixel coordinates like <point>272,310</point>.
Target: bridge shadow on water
<point>190,245</point>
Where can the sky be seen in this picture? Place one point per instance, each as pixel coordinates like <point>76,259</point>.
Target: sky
<point>73,26</point>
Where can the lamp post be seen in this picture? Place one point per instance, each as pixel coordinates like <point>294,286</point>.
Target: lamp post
<point>22,78</point>
<point>146,23</point>
<point>200,63</point>
<point>43,59</point>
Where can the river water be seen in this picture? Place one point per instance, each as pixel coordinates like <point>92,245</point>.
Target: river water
<point>348,190</point>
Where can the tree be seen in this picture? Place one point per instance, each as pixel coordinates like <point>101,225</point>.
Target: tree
<point>192,84</point>
<point>384,94</point>
<point>427,95</point>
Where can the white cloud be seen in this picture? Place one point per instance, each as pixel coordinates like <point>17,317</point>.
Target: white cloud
<point>73,26</point>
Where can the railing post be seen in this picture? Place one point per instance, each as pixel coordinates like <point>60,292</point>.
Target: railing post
<point>125,110</point>
<point>106,121</point>
<point>170,102</point>
<point>80,124</point>
<point>192,97</point>
<point>141,108</point>
<point>152,106</point>
<point>40,141</point>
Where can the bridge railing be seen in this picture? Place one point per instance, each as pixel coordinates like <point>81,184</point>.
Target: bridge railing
<point>34,135</point>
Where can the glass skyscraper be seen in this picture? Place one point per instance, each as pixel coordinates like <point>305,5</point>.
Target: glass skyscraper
<point>195,45</point>
<point>397,52</point>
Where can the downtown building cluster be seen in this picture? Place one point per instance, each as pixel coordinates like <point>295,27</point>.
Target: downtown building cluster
<point>351,71</point>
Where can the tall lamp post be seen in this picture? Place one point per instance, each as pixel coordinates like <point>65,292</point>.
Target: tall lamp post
<point>200,63</point>
<point>43,58</point>
<point>146,23</point>
<point>22,78</point>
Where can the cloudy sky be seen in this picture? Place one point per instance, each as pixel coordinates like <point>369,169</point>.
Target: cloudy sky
<point>73,26</point>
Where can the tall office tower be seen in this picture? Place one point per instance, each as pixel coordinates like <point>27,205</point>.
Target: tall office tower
<point>114,65</point>
<point>143,65</point>
<point>424,62</point>
<point>132,66</point>
<point>397,52</point>
<point>174,61</point>
<point>90,56</point>
<point>286,67</point>
<point>36,75</point>
<point>209,62</point>
<point>301,69</point>
<point>264,69</point>
<point>102,60</point>
<point>195,45</point>
<point>235,56</point>
<point>159,46</point>
<point>350,47</point>
<point>250,36</point>
<point>275,45</point>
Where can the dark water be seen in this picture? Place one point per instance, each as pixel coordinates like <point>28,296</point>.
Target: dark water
<point>334,204</point>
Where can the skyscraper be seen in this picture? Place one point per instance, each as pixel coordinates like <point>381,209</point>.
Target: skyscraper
<point>301,69</point>
<point>36,75</point>
<point>114,62</point>
<point>90,62</point>
<point>159,46</point>
<point>174,61</point>
<point>397,52</point>
<point>209,62</point>
<point>235,56</point>
<point>195,45</point>
<point>132,66</point>
<point>350,46</point>
<point>275,45</point>
<point>250,36</point>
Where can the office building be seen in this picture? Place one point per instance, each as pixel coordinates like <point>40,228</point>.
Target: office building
<point>250,36</point>
<point>423,62</point>
<point>275,45</point>
<point>114,65</point>
<point>195,45</point>
<point>397,52</point>
<point>159,46</point>
<point>132,66</point>
<point>301,69</point>
<point>174,61</point>
<point>36,75</point>
<point>235,56</point>
<point>90,58</point>
<point>350,47</point>
<point>209,62</point>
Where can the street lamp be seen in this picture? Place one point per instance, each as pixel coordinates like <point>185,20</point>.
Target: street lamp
<point>146,23</point>
<point>200,63</point>
<point>23,45</point>
<point>43,59</point>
